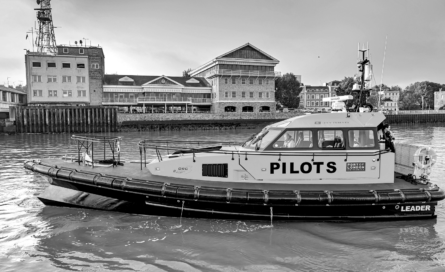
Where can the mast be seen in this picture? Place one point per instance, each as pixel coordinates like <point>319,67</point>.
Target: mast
<point>46,40</point>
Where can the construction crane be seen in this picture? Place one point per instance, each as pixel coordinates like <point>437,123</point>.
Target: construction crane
<point>46,40</point>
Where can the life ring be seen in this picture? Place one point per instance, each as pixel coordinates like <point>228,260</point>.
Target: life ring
<point>425,157</point>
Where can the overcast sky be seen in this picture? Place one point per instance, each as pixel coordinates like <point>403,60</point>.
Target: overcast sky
<point>316,39</point>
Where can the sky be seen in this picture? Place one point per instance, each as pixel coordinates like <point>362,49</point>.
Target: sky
<point>316,39</point>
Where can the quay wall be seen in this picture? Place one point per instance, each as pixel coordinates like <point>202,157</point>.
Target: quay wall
<point>415,118</point>
<point>65,119</point>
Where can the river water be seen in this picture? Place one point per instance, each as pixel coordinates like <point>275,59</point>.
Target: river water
<point>37,237</point>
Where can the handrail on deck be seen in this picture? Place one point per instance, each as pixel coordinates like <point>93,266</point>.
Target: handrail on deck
<point>87,142</point>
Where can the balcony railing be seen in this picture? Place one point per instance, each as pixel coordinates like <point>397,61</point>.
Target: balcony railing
<point>157,99</point>
<point>227,72</point>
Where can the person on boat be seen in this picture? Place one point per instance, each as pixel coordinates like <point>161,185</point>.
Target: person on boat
<point>389,139</point>
<point>288,141</point>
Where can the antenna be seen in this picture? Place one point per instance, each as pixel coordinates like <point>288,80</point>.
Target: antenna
<point>46,40</point>
<point>383,67</point>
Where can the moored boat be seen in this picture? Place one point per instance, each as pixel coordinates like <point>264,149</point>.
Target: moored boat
<point>336,166</point>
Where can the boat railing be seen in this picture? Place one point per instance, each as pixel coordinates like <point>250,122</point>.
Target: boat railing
<point>162,148</point>
<point>87,142</point>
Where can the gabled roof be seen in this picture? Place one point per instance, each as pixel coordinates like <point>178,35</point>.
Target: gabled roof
<point>6,89</point>
<point>141,80</point>
<point>163,80</point>
<point>247,51</point>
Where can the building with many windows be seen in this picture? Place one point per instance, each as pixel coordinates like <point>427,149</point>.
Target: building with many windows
<point>73,76</point>
<point>157,94</point>
<point>10,97</point>
<point>311,97</point>
<point>242,80</point>
<point>390,99</point>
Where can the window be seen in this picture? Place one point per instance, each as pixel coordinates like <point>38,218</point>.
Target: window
<point>267,94</point>
<point>313,96</point>
<point>321,96</point>
<point>260,81</point>
<point>95,65</point>
<point>243,94</point>
<point>251,94</point>
<point>37,92</point>
<point>243,81</point>
<point>331,139</point>
<point>66,78</point>
<point>313,103</point>
<point>50,93</point>
<point>247,109</point>
<point>316,103</point>
<point>295,139</point>
<point>267,81</point>
<point>260,94</point>
<point>233,94</point>
<point>52,79</point>
<point>81,65</point>
<point>308,96</point>
<point>226,81</point>
<point>317,96</point>
<point>36,78</point>
<point>51,65</point>
<point>308,103</point>
<point>80,79</point>
<point>226,94</point>
<point>81,51</point>
<point>36,64</point>
<point>361,138</point>
<point>67,93</point>
<point>54,92</point>
<point>251,81</point>
<point>83,93</point>
<point>233,80</point>
<point>66,65</point>
<point>65,50</point>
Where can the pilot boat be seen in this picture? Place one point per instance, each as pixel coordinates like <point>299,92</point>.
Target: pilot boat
<point>332,166</point>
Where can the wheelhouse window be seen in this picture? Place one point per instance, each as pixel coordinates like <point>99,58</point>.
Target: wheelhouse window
<point>361,138</point>
<point>261,140</point>
<point>331,139</point>
<point>294,139</point>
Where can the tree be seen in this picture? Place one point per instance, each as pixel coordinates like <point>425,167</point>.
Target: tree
<point>345,86</point>
<point>288,90</point>
<point>185,73</point>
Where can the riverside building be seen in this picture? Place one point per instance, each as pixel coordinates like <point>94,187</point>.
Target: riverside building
<point>73,76</point>
<point>242,80</point>
<point>10,97</point>
<point>311,97</point>
<point>157,94</point>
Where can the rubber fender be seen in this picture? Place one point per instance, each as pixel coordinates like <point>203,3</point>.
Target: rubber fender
<point>40,168</point>
<point>83,177</point>
<point>313,197</point>
<point>169,190</point>
<point>348,198</point>
<point>64,173</point>
<point>187,192</point>
<point>53,171</point>
<point>255,197</point>
<point>216,195</point>
<point>238,196</point>
<point>119,184</point>
<point>437,195</point>
<point>415,196</point>
<point>152,188</point>
<point>390,197</point>
<point>103,181</point>
<point>30,165</point>
<point>282,197</point>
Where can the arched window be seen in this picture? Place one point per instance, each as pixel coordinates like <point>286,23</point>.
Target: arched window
<point>264,109</point>
<point>247,109</point>
<point>230,109</point>
<point>316,103</point>
<point>313,103</point>
<point>313,96</point>
<point>308,96</point>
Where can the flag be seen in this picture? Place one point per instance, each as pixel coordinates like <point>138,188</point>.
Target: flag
<point>26,36</point>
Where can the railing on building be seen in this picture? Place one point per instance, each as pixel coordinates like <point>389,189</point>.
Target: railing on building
<point>419,112</point>
<point>227,72</point>
<point>157,99</point>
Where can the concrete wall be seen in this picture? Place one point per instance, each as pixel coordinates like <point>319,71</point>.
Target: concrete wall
<point>126,117</point>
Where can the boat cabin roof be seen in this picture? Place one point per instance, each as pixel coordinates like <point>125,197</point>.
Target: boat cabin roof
<point>333,120</point>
